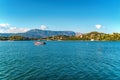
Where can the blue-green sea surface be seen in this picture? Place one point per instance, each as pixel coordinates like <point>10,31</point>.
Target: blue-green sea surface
<point>60,60</point>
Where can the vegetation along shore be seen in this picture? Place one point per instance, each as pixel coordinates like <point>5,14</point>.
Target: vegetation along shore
<point>97,36</point>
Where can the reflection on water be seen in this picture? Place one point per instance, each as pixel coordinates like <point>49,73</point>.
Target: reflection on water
<point>62,60</point>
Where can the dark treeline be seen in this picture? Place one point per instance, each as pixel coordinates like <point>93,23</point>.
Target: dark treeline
<point>16,38</point>
<point>87,36</point>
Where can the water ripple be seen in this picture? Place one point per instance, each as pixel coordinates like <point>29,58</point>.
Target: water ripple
<point>65,60</point>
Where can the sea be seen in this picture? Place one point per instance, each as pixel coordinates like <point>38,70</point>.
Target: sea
<point>60,60</point>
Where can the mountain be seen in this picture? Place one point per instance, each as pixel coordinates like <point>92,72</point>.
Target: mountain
<point>37,33</point>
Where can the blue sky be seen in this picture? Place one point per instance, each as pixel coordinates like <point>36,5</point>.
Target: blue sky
<point>74,15</point>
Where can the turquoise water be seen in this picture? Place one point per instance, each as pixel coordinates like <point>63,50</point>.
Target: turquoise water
<point>60,60</point>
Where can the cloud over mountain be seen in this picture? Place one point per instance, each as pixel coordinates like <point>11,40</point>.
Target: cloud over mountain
<point>98,26</point>
<point>43,27</point>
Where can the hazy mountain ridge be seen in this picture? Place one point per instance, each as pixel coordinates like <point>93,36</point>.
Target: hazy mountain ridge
<point>37,33</point>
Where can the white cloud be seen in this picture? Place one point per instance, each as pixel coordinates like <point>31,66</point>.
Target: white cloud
<point>98,26</point>
<point>1,31</point>
<point>17,30</point>
<point>43,27</point>
<point>13,30</point>
<point>6,28</point>
<point>4,25</point>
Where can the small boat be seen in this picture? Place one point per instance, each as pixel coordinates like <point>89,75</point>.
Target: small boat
<point>92,40</point>
<point>39,43</point>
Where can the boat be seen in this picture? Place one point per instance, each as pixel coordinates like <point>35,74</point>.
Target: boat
<point>39,43</point>
<point>92,40</point>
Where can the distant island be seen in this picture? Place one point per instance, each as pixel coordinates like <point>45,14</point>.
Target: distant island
<point>37,34</point>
